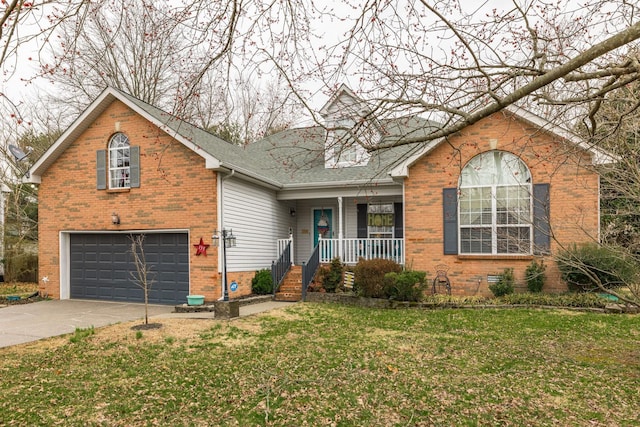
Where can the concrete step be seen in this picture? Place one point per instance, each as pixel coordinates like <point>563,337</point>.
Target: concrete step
<point>288,296</point>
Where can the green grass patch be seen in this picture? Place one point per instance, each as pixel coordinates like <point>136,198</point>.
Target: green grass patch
<point>81,334</point>
<point>325,364</point>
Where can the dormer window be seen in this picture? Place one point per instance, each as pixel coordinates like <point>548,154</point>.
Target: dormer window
<point>342,148</point>
<point>346,155</point>
<point>352,130</point>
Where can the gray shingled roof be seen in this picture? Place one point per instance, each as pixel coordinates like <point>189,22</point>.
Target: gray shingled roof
<point>292,158</point>
<point>296,156</point>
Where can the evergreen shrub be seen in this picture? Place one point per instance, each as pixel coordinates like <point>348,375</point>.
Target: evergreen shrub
<point>585,267</point>
<point>369,276</point>
<point>535,277</point>
<point>505,285</point>
<point>262,282</point>
<point>405,286</point>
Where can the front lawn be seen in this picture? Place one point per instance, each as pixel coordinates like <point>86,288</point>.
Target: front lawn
<point>325,364</point>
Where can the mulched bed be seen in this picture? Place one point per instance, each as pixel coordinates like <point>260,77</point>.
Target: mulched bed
<point>5,301</point>
<point>146,326</point>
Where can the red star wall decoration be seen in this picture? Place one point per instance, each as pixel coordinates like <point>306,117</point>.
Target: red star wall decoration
<point>201,248</point>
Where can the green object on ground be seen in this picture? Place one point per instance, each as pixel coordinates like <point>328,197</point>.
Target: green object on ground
<point>609,297</point>
<point>195,299</point>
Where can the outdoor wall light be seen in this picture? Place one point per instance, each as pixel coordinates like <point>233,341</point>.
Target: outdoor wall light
<point>292,212</point>
<point>115,218</point>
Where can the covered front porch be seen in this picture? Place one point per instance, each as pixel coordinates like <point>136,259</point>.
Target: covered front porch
<point>350,250</point>
<point>362,225</point>
<point>348,223</point>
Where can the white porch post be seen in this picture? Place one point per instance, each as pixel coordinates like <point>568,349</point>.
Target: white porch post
<point>340,231</point>
<point>291,251</point>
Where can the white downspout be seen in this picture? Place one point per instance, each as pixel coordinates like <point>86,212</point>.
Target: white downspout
<point>221,216</point>
<point>404,224</point>
<point>340,230</point>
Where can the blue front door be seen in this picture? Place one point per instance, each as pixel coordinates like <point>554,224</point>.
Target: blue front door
<point>322,224</point>
<point>323,227</point>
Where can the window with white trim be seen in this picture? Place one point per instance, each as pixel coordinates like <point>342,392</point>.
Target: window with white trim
<point>119,161</point>
<point>495,205</point>
<point>380,220</point>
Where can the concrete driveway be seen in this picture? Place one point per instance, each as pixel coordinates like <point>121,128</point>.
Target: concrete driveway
<point>30,322</point>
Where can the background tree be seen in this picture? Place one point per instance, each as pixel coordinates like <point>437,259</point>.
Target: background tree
<point>618,130</point>
<point>137,47</point>
<point>160,54</point>
<point>454,61</point>
<point>21,234</point>
<point>20,229</point>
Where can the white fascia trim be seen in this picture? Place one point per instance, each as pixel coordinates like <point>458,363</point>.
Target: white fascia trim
<point>64,251</point>
<point>211,162</point>
<point>246,175</point>
<point>88,113</point>
<point>306,193</point>
<point>402,170</point>
<point>31,179</point>
<point>341,184</point>
<point>598,156</point>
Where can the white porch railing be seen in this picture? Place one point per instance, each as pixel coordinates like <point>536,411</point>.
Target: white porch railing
<point>282,245</point>
<point>351,250</point>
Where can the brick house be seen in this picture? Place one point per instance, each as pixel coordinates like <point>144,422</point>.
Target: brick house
<point>504,191</point>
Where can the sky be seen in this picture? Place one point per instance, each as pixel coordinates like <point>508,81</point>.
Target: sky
<point>16,87</point>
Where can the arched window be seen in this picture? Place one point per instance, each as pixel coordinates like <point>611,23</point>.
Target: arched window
<point>119,161</point>
<point>495,205</point>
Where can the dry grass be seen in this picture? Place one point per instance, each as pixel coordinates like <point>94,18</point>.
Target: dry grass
<point>315,364</point>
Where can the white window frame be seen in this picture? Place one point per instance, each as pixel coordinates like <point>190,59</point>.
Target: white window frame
<point>119,162</point>
<point>517,211</point>
<point>383,232</point>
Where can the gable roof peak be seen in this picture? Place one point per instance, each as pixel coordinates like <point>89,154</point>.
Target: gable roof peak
<point>344,102</point>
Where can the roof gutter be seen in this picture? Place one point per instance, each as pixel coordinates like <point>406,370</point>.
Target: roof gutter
<point>352,183</point>
<point>248,176</point>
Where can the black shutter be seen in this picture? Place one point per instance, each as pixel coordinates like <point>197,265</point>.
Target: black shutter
<point>363,231</point>
<point>398,219</point>
<point>541,228</point>
<point>134,166</point>
<point>450,212</point>
<point>101,169</point>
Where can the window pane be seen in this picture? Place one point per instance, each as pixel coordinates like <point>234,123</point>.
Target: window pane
<point>513,205</point>
<point>514,240</point>
<point>475,206</point>
<point>495,168</point>
<point>475,240</point>
<point>380,220</point>
<point>380,208</point>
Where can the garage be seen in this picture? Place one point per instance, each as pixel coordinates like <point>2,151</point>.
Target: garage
<point>101,265</point>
